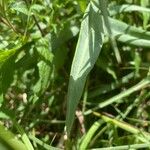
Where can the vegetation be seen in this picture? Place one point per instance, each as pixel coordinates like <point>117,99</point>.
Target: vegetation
<point>102,103</point>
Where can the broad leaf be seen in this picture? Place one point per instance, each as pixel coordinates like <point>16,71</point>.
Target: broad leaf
<point>87,51</point>
<point>44,67</point>
<point>7,66</point>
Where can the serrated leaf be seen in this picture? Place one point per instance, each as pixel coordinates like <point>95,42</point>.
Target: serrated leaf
<point>44,77</point>
<point>7,73</point>
<point>20,7</point>
<point>44,67</point>
<point>87,51</point>
<point>7,66</point>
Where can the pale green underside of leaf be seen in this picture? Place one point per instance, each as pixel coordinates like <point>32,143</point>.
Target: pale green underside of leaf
<point>87,50</point>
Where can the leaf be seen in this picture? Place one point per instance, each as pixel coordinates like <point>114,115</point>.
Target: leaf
<point>10,115</point>
<point>145,82</point>
<point>3,7</point>
<point>103,7</point>
<point>87,51</point>
<point>20,7</point>
<point>44,77</point>
<point>129,34</point>
<point>90,134</point>
<point>7,66</point>
<point>63,36</point>
<point>3,146</point>
<point>6,54</point>
<point>10,139</point>
<point>82,4</point>
<point>42,144</point>
<point>44,67</point>
<point>7,72</point>
<point>24,136</point>
<point>59,57</point>
<point>141,135</point>
<point>37,8</point>
<point>8,60</point>
<point>58,42</point>
<point>146,16</point>
<point>116,9</point>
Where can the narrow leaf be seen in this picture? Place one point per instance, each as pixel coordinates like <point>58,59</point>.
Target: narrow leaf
<point>129,34</point>
<point>10,139</point>
<point>116,98</point>
<point>90,134</point>
<point>116,9</point>
<point>142,135</point>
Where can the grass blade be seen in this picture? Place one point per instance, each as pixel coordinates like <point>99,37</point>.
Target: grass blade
<point>141,135</point>
<point>114,10</point>
<point>44,145</point>
<point>90,134</point>
<point>126,93</point>
<point>10,139</point>
<point>103,8</point>
<point>125,147</point>
<point>24,137</point>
